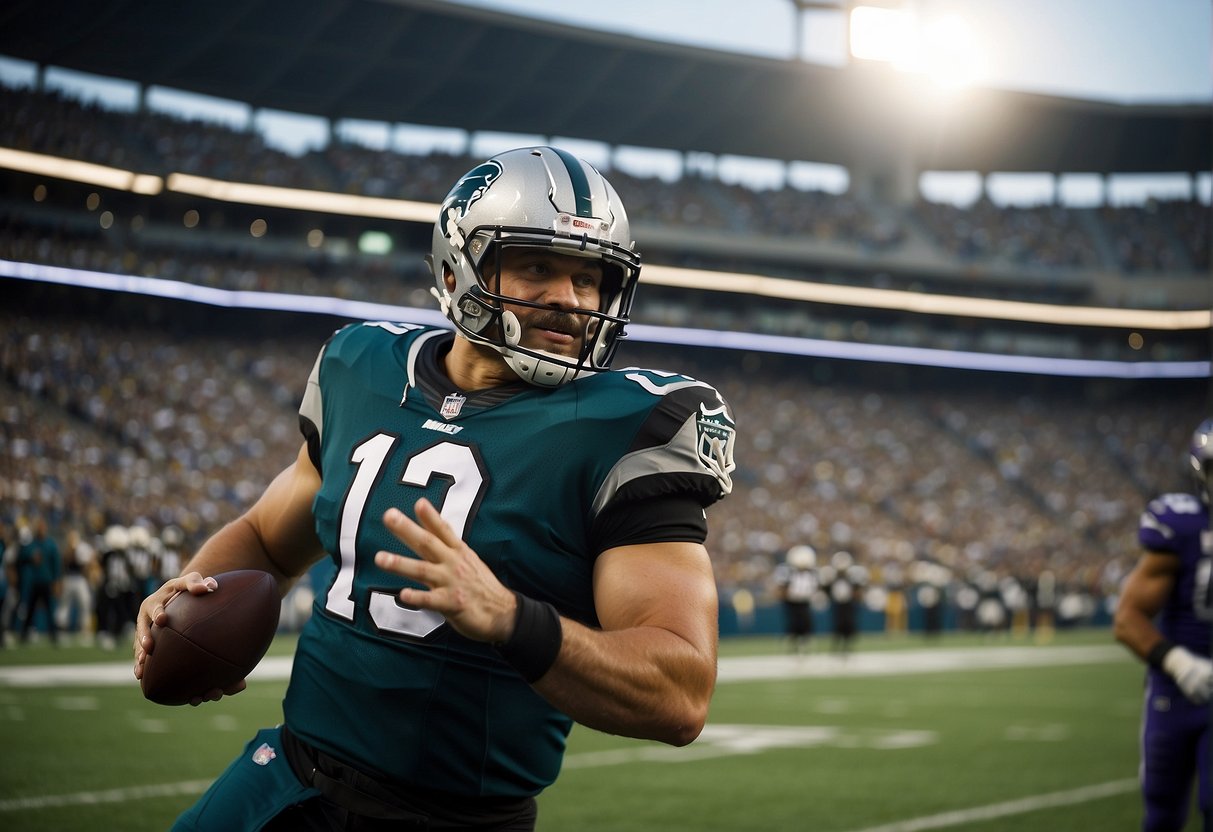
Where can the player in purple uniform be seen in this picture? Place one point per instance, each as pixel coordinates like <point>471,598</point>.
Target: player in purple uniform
<point>1164,616</point>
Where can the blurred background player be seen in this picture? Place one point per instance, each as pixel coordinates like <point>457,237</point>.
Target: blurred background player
<point>8,579</point>
<point>843,581</point>
<point>1164,617</point>
<point>40,565</point>
<point>116,593</point>
<point>930,599</point>
<point>74,612</point>
<point>992,617</point>
<point>796,583</point>
<point>1044,604</point>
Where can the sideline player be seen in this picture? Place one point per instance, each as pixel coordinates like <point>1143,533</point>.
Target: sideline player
<point>796,583</point>
<point>1164,616</point>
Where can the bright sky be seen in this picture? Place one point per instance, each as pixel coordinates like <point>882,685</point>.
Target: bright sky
<point>1127,51</point>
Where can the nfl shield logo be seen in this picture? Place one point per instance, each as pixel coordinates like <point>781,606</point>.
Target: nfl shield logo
<point>264,754</point>
<point>451,405</point>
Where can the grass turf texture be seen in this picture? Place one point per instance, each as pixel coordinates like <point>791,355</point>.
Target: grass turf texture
<point>832,753</point>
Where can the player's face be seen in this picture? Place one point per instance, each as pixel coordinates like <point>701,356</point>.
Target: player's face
<point>557,282</point>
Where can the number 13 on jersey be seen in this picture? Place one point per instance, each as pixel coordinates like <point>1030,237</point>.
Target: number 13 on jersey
<point>459,465</point>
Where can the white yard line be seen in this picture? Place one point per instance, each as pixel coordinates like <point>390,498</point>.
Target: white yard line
<point>1034,803</point>
<point>900,662</point>
<point>55,801</point>
<point>959,817</point>
<point>735,669</point>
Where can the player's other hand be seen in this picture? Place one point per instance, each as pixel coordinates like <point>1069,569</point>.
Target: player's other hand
<point>151,611</point>
<point>1193,674</point>
<point>459,585</point>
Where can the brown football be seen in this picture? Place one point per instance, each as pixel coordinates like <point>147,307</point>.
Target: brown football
<point>212,641</point>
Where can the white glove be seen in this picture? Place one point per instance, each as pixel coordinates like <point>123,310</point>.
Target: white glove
<point>1193,674</point>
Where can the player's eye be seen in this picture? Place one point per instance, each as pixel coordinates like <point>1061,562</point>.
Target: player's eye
<point>587,280</point>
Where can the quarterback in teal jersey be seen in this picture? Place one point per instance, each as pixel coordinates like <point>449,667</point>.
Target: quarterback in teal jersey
<point>518,532</point>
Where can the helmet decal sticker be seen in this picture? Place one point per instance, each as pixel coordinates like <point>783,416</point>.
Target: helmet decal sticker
<point>474,184</point>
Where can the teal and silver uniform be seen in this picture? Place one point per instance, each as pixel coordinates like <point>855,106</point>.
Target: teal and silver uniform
<point>538,481</point>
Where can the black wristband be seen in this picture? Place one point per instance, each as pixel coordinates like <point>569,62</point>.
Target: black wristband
<point>1159,652</point>
<point>535,643</point>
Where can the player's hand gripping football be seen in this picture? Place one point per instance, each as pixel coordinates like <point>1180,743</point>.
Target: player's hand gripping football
<point>1193,674</point>
<point>152,611</point>
<point>460,586</point>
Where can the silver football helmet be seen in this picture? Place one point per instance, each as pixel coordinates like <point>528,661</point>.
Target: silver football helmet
<point>1200,458</point>
<point>534,197</point>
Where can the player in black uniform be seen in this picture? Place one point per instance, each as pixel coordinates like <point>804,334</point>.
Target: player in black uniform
<point>518,532</point>
<point>796,582</point>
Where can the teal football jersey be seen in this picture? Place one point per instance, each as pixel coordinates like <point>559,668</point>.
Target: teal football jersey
<point>523,473</point>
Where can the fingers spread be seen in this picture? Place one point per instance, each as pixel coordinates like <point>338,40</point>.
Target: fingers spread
<point>424,540</point>
<point>404,566</point>
<point>432,520</point>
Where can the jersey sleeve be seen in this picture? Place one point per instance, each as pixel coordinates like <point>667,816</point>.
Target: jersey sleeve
<point>683,448</point>
<point>672,519</point>
<point>311,412</point>
<point>311,408</point>
<point>1168,520</point>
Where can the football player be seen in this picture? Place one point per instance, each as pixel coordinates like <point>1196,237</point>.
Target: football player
<point>517,531</point>
<point>796,583</point>
<point>844,582</point>
<point>1164,616</point>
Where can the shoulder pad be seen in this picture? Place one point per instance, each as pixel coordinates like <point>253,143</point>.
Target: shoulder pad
<point>1171,517</point>
<point>686,437</point>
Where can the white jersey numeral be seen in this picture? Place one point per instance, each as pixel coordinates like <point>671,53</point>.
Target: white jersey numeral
<point>456,463</point>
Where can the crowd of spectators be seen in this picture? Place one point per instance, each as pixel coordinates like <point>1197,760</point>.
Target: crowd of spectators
<point>1169,236</point>
<point>966,479</point>
<point>133,425</point>
<point>1045,237</point>
<point>105,424</point>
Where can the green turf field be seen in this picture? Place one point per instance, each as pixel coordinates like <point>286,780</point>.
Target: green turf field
<point>1047,741</point>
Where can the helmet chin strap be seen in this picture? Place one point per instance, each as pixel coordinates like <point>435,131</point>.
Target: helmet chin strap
<point>538,371</point>
<point>534,370</point>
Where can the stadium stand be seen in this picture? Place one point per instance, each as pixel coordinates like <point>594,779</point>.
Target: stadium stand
<point>1048,254</point>
<point>1164,237</point>
<point>124,410</point>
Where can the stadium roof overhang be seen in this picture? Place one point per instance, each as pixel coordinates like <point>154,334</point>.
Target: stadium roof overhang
<point>434,63</point>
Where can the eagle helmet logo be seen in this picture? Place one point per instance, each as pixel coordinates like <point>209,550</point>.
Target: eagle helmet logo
<point>474,184</point>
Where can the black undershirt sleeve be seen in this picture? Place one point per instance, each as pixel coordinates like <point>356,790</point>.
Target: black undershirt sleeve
<point>672,518</point>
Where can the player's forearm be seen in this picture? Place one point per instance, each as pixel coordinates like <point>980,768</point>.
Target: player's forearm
<point>237,546</point>
<point>277,535</point>
<point>1135,630</point>
<point>642,682</point>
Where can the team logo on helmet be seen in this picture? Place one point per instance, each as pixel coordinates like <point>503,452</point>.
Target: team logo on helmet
<point>474,184</point>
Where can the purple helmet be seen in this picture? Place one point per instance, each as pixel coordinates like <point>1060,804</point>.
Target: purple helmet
<point>1200,458</point>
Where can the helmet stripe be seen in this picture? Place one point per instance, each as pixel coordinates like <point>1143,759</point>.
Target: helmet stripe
<point>583,198</point>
